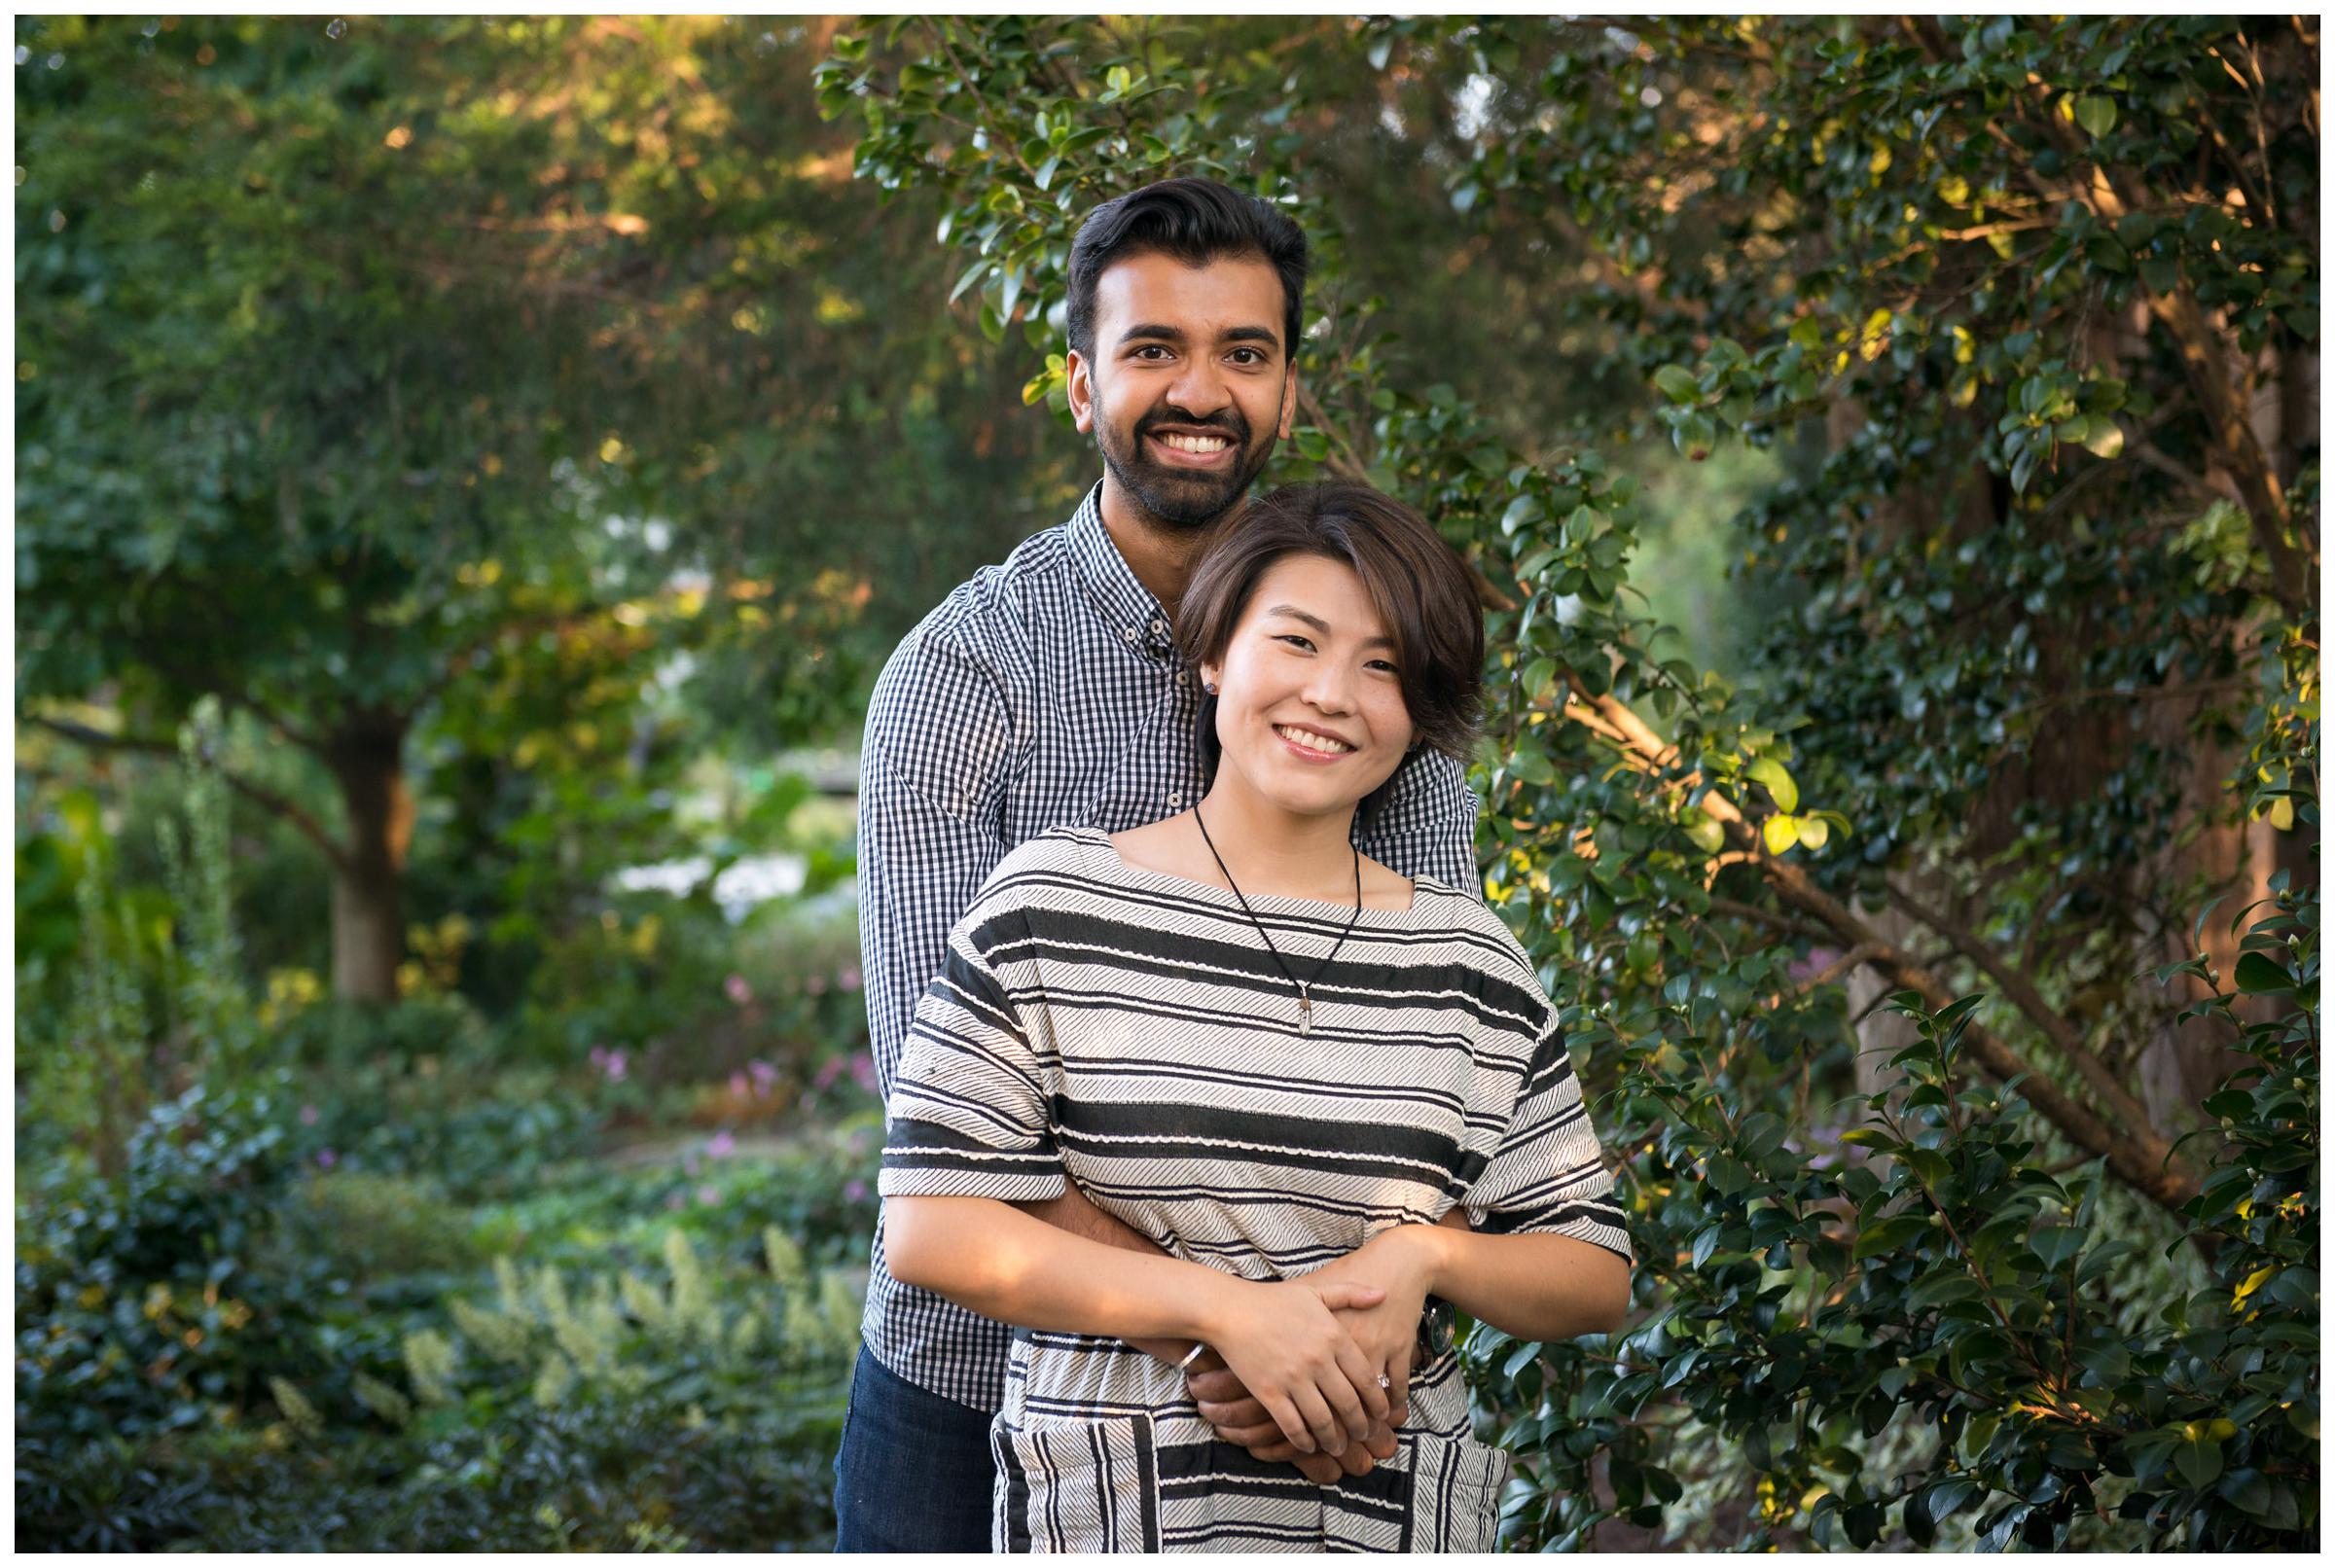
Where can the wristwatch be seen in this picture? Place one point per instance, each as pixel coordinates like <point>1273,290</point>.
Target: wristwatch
<point>1435,1325</point>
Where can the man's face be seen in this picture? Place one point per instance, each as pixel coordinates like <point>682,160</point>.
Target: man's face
<point>1190,385</point>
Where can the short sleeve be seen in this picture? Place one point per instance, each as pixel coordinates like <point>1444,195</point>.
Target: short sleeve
<point>1548,1176</point>
<point>968,1114</point>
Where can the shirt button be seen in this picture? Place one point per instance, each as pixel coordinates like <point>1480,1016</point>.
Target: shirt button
<point>1159,629</point>
<point>1128,633</point>
<point>1175,800</point>
<point>1182,678</point>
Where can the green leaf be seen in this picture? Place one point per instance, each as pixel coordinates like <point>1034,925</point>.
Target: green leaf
<point>1780,832</point>
<point>1677,383</point>
<point>1887,1235</point>
<point>1531,765</point>
<point>2199,1461</point>
<point>1707,831</point>
<point>1814,831</point>
<point>2262,975</point>
<point>2096,114</point>
<point>1770,772</point>
<point>1945,1287</point>
<point>2104,437</point>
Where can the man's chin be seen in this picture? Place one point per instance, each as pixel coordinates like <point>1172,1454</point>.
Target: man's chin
<point>1183,500</point>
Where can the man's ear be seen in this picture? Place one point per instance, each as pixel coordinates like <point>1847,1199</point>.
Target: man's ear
<point>1082,394</point>
<point>1288,405</point>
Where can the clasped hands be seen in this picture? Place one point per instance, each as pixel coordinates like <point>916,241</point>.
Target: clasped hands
<point>1295,1377</point>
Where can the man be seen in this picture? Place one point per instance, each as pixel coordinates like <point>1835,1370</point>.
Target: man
<point>1046,692</point>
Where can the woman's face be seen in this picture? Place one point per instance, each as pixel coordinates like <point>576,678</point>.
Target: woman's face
<point>1310,702</point>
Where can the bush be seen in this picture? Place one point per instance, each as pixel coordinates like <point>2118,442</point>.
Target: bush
<point>145,1302</point>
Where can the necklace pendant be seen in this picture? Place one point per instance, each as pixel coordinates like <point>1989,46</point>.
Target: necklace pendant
<point>1305,1012</point>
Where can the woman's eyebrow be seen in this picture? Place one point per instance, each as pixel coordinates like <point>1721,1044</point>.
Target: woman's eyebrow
<point>1323,626</point>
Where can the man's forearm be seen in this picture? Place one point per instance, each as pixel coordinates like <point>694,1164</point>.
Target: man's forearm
<point>1072,1212</point>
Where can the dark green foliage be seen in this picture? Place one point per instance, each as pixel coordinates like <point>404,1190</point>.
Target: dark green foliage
<point>1929,1297</point>
<point>142,1304</point>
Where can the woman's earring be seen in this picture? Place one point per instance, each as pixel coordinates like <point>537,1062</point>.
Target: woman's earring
<point>1209,687</point>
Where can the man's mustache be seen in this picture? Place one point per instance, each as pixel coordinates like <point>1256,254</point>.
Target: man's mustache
<point>1227,424</point>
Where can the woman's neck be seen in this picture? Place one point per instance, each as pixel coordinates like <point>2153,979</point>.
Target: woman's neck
<point>1270,849</point>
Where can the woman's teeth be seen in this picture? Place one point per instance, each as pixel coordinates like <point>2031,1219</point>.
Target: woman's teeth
<point>1309,740</point>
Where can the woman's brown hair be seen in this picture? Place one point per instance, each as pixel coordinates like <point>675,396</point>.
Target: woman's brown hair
<point>1417,582</point>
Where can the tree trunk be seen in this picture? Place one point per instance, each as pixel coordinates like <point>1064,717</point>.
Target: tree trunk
<point>368,757</point>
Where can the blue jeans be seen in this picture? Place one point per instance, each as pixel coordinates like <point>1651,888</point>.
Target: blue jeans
<point>915,1472</point>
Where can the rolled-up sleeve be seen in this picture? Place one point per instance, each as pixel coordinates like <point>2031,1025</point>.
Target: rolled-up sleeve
<point>1548,1176</point>
<point>968,1114</point>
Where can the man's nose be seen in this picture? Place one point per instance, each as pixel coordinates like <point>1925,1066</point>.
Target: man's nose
<point>1199,389</point>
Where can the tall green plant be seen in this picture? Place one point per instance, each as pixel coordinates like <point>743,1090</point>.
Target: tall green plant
<point>1698,893</point>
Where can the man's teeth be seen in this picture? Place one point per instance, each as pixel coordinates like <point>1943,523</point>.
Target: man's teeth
<point>1200,444</point>
<point>1312,741</point>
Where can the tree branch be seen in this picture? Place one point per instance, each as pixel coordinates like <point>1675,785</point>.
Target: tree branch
<point>2023,994</point>
<point>260,795</point>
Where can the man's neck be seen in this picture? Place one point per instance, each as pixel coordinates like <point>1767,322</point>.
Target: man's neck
<point>1160,555</point>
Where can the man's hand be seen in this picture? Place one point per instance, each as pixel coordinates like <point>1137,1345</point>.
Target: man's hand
<point>1241,1421</point>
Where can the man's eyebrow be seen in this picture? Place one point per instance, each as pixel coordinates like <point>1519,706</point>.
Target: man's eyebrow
<point>1160,332</point>
<point>1321,626</point>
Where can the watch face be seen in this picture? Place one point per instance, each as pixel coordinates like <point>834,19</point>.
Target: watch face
<point>1435,1326</point>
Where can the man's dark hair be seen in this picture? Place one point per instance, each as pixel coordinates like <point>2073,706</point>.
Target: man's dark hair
<point>1196,220</point>
<point>1418,584</point>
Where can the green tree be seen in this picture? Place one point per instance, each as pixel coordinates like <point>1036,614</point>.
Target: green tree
<point>1900,239</point>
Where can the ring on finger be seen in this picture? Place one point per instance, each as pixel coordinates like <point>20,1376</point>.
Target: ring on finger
<point>1385,1381</point>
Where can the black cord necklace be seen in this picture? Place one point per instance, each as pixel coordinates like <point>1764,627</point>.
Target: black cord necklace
<point>1305,988</point>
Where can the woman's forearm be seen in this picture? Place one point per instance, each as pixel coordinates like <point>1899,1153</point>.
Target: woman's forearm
<point>1533,1287</point>
<point>992,1258</point>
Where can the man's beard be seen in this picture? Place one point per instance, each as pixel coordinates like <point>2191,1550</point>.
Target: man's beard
<point>1178,497</point>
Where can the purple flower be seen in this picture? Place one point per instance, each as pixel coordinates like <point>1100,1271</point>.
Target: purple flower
<point>763,1074</point>
<point>855,1191</point>
<point>308,1116</point>
<point>708,1195</point>
<point>327,1159</point>
<point>817,985</point>
<point>739,991</point>
<point>829,1071</point>
<point>863,1071</point>
<point>721,1145</point>
<point>615,1067</point>
<point>737,1084</point>
<point>848,980</point>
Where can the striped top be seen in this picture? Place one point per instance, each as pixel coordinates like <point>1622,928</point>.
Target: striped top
<point>1124,1028</point>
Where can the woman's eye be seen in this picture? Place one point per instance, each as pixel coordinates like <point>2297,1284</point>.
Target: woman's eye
<point>1293,637</point>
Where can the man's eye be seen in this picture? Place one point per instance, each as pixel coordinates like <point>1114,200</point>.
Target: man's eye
<point>1253,356</point>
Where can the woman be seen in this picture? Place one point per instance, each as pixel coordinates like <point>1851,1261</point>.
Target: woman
<point>1282,1061</point>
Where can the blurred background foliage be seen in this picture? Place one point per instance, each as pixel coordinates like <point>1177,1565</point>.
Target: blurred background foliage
<point>468,474</point>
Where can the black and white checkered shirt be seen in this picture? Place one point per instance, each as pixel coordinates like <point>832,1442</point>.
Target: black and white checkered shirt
<point>1044,693</point>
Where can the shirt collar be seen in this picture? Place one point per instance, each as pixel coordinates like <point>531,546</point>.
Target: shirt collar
<point>1131,609</point>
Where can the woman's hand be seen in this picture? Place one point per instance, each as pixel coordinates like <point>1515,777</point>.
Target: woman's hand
<point>1286,1342</point>
<point>1402,1262</point>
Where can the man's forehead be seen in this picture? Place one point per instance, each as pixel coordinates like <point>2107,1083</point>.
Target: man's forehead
<point>1155,286</point>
